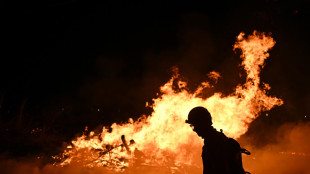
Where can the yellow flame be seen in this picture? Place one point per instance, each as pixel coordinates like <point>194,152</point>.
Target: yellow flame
<point>163,138</point>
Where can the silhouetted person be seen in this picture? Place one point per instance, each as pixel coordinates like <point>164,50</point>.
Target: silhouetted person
<point>220,154</point>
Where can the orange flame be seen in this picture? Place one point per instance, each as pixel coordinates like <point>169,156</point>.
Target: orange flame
<point>163,138</point>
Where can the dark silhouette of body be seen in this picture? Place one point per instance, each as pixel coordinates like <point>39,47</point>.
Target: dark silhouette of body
<point>220,154</point>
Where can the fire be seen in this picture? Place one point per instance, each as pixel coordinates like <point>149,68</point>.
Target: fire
<point>162,138</point>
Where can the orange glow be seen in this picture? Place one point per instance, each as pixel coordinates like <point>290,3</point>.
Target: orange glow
<point>163,138</point>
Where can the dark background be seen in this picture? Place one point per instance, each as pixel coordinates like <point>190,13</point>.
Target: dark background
<point>68,64</point>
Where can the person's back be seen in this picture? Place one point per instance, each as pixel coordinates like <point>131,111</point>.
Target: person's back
<point>213,154</point>
<point>220,154</point>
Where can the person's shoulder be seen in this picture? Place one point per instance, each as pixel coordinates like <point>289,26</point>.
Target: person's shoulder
<point>233,143</point>
<point>221,135</point>
<point>218,138</point>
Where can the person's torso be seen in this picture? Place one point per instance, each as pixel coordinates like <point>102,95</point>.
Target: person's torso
<point>214,155</point>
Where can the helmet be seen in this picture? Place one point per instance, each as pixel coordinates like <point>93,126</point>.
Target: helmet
<point>199,116</point>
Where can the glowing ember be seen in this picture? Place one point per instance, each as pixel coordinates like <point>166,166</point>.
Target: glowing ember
<point>295,153</point>
<point>162,138</point>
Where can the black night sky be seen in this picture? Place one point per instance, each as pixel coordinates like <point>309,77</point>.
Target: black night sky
<point>71,63</point>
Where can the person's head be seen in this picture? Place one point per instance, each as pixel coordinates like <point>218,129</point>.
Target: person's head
<point>200,119</point>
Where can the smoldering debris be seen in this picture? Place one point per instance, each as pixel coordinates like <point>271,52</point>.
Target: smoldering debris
<point>290,153</point>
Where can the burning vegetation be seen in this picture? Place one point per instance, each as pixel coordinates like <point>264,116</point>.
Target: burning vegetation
<point>162,140</point>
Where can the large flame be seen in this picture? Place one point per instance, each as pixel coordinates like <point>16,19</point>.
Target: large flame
<point>163,138</point>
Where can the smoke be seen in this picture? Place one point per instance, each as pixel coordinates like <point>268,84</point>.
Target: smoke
<point>26,166</point>
<point>22,167</point>
<point>14,167</point>
<point>289,153</point>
